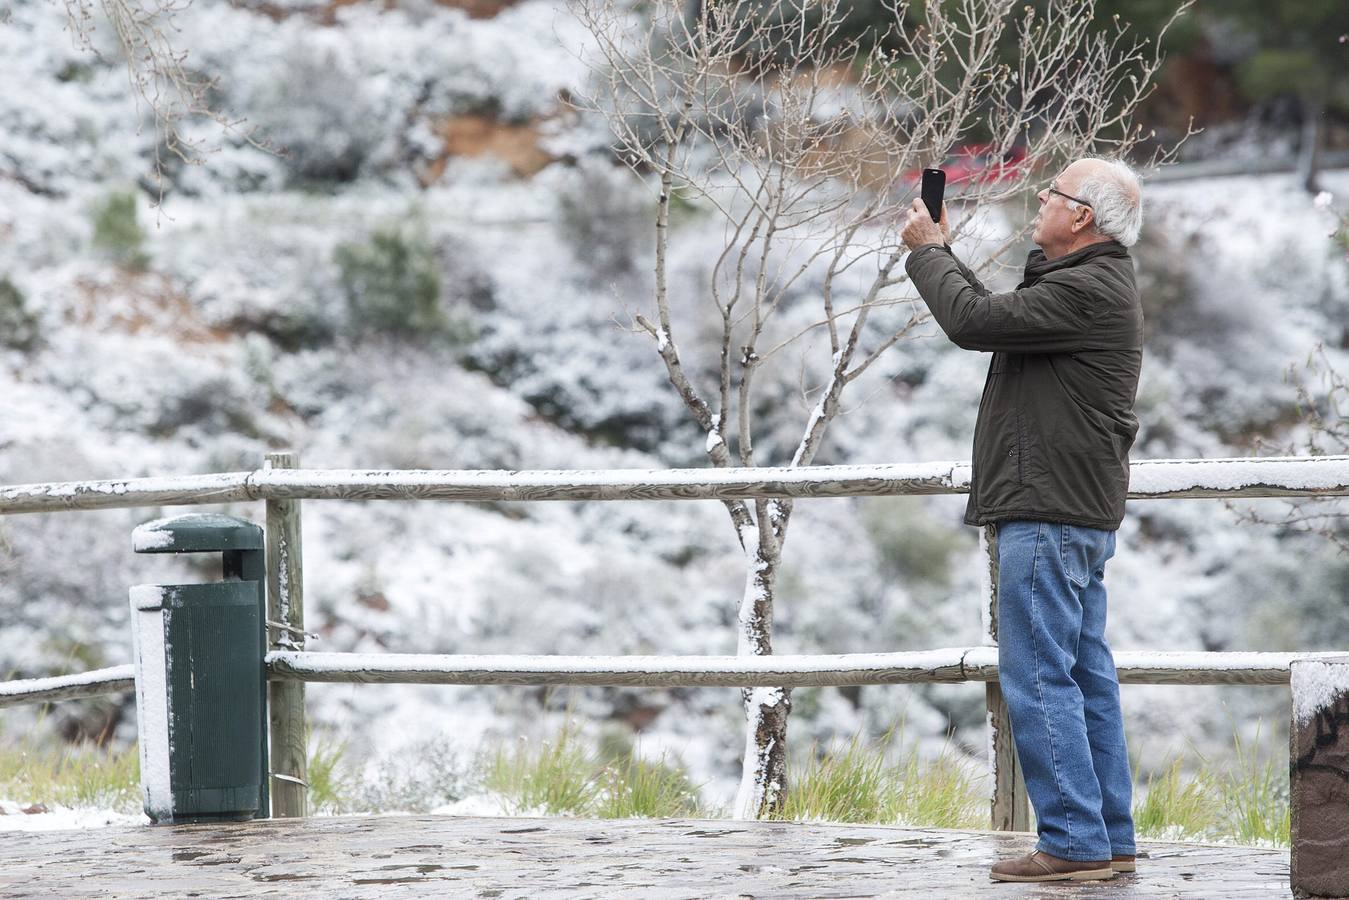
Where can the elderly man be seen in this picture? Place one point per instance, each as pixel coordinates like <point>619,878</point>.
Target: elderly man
<point>1050,473</point>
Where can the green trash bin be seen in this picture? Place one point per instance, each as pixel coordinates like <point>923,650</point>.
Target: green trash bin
<point>201,705</point>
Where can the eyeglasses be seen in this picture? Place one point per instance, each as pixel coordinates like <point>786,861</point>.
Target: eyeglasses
<point>1053,190</point>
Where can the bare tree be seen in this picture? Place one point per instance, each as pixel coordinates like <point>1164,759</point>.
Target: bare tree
<point>157,71</point>
<point>797,129</point>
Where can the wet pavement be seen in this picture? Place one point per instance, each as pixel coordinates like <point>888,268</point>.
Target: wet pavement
<point>460,856</point>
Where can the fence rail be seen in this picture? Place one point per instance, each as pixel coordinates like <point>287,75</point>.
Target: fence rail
<point>1274,476</point>
<point>950,666</point>
<point>953,665</point>
<point>95,683</point>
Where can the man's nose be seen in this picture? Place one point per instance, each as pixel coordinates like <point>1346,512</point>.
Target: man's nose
<point>1042,195</point>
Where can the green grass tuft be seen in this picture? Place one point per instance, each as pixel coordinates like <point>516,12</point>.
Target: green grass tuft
<point>556,776</point>
<point>559,775</point>
<point>944,792</point>
<point>1173,804</point>
<point>81,776</point>
<point>638,788</point>
<point>1243,801</point>
<point>847,785</point>
<point>331,786</point>
<point>858,784</point>
<point>1254,794</point>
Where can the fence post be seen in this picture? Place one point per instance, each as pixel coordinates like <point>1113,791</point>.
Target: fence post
<point>1318,745</point>
<point>285,607</point>
<point>1009,806</point>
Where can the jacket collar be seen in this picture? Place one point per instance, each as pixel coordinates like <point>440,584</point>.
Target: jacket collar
<point>1038,267</point>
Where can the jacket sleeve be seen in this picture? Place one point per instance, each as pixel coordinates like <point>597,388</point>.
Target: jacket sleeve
<point>1049,317</point>
<point>969,274</point>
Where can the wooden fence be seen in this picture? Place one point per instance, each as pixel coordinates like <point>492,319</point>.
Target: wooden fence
<point>282,485</point>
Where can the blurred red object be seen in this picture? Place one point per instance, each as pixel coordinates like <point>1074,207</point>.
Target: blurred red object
<point>977,162</point>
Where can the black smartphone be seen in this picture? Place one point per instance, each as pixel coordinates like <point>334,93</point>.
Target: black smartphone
<point>934,186</point>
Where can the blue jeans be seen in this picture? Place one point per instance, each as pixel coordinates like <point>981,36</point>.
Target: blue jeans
<point>1059,681</point>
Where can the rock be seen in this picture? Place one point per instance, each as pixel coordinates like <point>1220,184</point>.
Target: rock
<point>477,135</point>
<point>478,9</point>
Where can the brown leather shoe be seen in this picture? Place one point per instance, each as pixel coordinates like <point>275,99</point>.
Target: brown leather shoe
<point>1039,866</point>
<point>1123,864</point>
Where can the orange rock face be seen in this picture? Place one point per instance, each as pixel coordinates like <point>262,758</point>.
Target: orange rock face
<point>478,9</point>
<point>475,135</point>
<point>327,14</point>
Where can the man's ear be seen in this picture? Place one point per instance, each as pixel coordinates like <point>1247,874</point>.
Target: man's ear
<point>1083,222</point>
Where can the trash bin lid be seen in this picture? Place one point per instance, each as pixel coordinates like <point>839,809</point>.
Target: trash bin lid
<point>196,532</point>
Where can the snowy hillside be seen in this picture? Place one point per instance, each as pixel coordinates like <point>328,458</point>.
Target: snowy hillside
<point>248,314</point>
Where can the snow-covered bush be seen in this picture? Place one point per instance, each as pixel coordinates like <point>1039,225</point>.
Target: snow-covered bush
<point>911,547</point>
<point>75,123</point>
<point>573,362</point>
<point>419,778</point>
<point>117,231</point>
<point>19,329</point>
<point>466,283</point>
<point>63,583</point>
<point>392,286</point>
<point>216,405</point>
<point>606,218</point>
<point>1222,321</point>
<point>313,103</point>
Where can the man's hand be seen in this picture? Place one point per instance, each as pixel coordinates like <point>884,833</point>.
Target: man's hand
<point>920,229</point>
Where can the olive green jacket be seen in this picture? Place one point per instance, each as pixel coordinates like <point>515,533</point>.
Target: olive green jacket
<point>1056,421</point>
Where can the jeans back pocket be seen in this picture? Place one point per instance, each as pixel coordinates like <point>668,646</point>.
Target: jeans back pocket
<point>1079,549</point>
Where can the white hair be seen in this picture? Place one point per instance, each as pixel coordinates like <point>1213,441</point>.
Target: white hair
<point>1116,200</point>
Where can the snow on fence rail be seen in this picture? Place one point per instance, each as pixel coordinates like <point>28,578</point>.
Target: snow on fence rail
<point>116,680</point>
<point>949,665</point>
<point>1274,476</point>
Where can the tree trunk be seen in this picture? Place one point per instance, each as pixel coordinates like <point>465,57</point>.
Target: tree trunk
<point>763,780</point>
<point>1309,151</point>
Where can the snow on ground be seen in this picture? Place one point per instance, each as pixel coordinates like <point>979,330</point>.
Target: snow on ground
<point>15,816</point>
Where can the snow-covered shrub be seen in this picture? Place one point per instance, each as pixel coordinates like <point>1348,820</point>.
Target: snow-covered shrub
<point>466,284</point>
<point>419,778</point>
<point>1166,282</point>
<point>392,286</point>
<point>314,105</point>
<point>196,394</point>
<point>75,123</point>
<point>1221,319</point>
<point>218,405</point>
<point>117,231</point>
<point>263,265</point>
<point>19,328</point>
<point>606,218</point>
<point>911,546</point>
<point>558,334</point>
<point>63,584</point>
<point>607,391</point>
<point>302,325</point>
